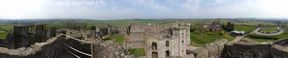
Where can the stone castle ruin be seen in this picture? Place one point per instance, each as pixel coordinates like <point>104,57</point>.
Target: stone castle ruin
<point>61,46</point>
<point>37,41</point>
<point>252,51</point>
<point>24,35</point>
<point>160,41</point>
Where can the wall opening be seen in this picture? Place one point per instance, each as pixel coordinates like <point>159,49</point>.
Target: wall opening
<point>167,53</point>
<point>154,46</point>
<point>154,55</point>
<point>167,43</point>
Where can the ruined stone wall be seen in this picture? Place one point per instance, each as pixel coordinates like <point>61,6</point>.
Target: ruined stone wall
<point>174,47</point>
<point>52,48</point>
<point>182,39</point>
<point>24,35</point>
<point>121,30</point>
<point>179,41</point>
<point>108,49</point>
<point>252,51</point>
<point>52,32</point>
<point>137,36</point>
<point>80,34</point>
<point>171,40</point>
<point>136,40</point>
<point>20,37</point>
<point>40,31</point>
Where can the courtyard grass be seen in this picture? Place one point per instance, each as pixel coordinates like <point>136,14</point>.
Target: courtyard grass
<point>137,51</point>
<point>118,38</point>
<point>202,38</point>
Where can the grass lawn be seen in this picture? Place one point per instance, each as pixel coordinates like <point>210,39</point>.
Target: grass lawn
<point>202,38</point>
<point>137,51</point>
<point>268,29</point>
<point>118,38</point>
<point>244,28</point>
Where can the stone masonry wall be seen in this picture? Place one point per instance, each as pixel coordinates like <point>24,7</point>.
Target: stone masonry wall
<point>252,51</point>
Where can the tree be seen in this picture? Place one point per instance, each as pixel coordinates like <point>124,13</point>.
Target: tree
<point>228,27</point>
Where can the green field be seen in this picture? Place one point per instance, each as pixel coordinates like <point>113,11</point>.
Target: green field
<point>137,51</point>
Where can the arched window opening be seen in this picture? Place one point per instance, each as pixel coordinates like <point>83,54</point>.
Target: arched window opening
<point>167,43</point>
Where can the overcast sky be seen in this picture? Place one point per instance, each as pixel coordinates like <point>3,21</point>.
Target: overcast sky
<point>130,9</point>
